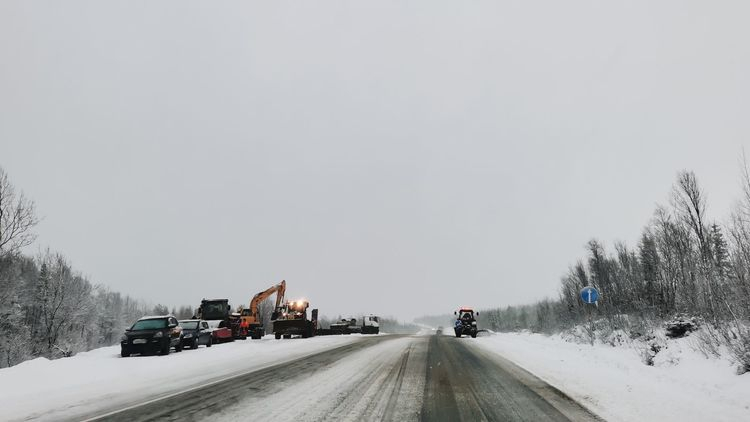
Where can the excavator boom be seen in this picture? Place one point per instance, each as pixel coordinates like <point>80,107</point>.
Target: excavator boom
<point>252,318</point>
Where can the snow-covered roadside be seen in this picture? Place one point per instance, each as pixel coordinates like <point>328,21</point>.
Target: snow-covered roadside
<point>683,385</point>
<point>41,389</point>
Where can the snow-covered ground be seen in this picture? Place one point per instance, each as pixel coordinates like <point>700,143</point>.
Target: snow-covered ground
<point>67,388</point>
<point>683,384</point>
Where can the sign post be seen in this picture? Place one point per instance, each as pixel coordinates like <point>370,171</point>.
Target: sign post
<point>590,296</point>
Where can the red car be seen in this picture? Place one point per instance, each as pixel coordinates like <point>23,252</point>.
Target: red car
<point>220,332</point>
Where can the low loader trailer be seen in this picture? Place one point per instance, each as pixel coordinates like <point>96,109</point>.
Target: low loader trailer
<point>370,325</point>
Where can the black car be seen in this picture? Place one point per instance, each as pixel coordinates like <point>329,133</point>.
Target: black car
<point>156,334</point>
<point>196,332</point>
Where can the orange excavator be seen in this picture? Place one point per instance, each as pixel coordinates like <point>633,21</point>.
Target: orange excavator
<point>250,317</point>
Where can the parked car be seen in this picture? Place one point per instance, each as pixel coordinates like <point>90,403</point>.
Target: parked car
<point>152,334</point>
<point>220,331</point>
<point>196,332</point>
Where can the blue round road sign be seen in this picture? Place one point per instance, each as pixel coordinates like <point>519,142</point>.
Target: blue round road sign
<point>589,294</point>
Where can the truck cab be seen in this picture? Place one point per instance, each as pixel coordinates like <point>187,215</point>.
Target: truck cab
<point>370,324</point>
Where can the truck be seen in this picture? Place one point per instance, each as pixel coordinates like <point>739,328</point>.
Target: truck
<point>220,313</point>
<point>250,317</point>
<point>291,319</point>
<point>370,324</point>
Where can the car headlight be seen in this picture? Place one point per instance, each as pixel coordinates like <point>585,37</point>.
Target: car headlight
<point>473,323</point>
<point>159,334</point>
<point>124,338</point>
<point>188,336</point>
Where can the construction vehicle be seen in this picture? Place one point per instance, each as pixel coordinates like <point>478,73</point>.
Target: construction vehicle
<point>220,310</point>
<point>346,326</point>
<point>370,325</point>
<point>250,316</point>
<point>465,323</point>
<point>291,319</point>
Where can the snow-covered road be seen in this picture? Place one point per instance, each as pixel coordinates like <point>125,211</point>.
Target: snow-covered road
<point>424,377</point>
<point>392,378</point>
<point>375,378</point>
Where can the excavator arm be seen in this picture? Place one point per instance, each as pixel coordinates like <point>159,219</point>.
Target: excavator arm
<point>279,289</point>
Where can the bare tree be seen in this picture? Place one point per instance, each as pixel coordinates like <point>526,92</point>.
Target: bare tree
<point>744,204</point>
<point>17,218</point>
<point>160,309</point>
<point>690,204</point>
<point>64,299</point>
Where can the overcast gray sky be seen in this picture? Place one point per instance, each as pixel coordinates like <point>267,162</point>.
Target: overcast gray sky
<point>395,157</point>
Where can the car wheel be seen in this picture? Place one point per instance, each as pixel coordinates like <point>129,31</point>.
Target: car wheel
<point>277,335</point>
<point>165,349</point>
<point>210,342</point>
<point>178,347</point>
<point>195,344</point>
<point>125,353</point>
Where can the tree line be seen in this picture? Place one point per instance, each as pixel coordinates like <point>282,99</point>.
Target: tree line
<point>47,308</point>
<point>686,265</point>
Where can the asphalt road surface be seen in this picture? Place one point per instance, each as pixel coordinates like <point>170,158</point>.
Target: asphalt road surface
<point>393,378</point>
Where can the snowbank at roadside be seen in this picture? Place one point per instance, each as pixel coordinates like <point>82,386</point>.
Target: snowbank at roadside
<point>683,384</point>
<point>69,388</point>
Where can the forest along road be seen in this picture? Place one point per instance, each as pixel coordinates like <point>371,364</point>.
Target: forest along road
<point>395,378</point>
